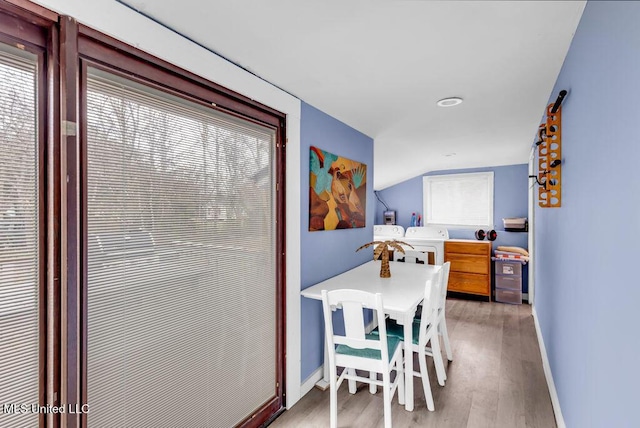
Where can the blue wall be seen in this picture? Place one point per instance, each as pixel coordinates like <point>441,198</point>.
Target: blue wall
<point>325,254</point>
<point>510,199</point>
<point>587,291</point>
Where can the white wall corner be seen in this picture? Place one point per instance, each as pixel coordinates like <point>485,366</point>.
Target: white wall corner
<point>310,383</point>
<point>293,270</point>
<point>555,402</point>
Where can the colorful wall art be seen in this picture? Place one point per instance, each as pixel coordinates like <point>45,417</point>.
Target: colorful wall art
<point>337,191</point>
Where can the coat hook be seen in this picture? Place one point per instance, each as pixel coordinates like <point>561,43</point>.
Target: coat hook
<point>559,100</point>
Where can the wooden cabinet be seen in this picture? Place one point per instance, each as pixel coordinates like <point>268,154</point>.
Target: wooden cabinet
<point>470,266</point>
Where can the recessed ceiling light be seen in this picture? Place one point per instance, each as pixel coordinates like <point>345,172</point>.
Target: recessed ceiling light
<point>449,102</point>
<point>448,155</point>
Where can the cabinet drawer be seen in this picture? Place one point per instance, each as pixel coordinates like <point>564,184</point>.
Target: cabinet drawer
<point>468,247</point>
<point>509,296</point>
<point>509,282</point>
<point>469,283</point>
<point>509,268</point>
<point>469,263</point>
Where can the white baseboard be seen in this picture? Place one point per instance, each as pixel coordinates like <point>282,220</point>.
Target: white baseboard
<point>555,402</point>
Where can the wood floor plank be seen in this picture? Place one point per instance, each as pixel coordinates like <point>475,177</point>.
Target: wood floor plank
<point>484,404</point>
<point>530,348</point>
<point>496,379</point>
<point>538,407</point>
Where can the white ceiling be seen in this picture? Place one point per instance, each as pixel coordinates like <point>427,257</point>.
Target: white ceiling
<point>381,65</point>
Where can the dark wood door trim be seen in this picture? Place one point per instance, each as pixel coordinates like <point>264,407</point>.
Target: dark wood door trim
<point>118,55</point>
<point>70,214</point>
<point>53,248</point>
<point>32,12</point>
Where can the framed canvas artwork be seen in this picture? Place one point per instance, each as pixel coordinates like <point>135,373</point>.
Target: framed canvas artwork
<point>337,191</point>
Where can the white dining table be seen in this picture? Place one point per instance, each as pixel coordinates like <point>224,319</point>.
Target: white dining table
<point>401,295</point>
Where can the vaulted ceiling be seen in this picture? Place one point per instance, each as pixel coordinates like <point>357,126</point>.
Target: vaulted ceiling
<point>380,66</point>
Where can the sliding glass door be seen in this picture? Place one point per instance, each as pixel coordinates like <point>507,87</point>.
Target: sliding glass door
<point>141,237</point>
<point>20,271</point>
<point>181,281</point>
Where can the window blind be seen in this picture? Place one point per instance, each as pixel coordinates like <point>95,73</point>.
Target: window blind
<point>181,276</point>
<point>19,243</point>
<point>459,200</point>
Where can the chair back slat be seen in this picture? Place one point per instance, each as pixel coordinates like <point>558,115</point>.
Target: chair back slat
<point>430,304</point>
<point>444,283</point>
<point>431,294</point>
<point>353,314</point>
<point>353,303</point>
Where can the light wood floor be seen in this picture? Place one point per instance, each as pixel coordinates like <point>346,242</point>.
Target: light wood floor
<point>495,380</point>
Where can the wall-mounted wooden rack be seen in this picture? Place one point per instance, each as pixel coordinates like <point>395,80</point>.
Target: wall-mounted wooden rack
<point>550,156</point>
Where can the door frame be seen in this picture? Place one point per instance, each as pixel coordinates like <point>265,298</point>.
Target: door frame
<point>532,224</point>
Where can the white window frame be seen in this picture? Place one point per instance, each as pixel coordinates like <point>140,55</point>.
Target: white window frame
<point>460,187</point>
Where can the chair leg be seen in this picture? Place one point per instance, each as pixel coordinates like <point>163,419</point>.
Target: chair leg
<point>386,394</point>
<point>373,388</point>
<point>352,383</point>
<point>442,326</point>
<point>426,386</point>
<point>333,397</point>
<point>400,379</point>
<point>437,359</point>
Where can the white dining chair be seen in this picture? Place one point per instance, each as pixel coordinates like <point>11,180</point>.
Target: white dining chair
<point>355,350</point>
<point>442,321</point>
<point>396,330</point>
<point>428,334</point>
<point>425,332</point>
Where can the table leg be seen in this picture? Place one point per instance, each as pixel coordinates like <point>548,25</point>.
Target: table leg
<point>408,363</point>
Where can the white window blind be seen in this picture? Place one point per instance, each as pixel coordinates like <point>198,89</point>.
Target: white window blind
<point>19,236</point>
<point>181,260</point>
<point>459,200</point>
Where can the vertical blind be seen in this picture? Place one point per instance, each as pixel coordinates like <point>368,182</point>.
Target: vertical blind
<point>19,243</point>
<point>181,275</point>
